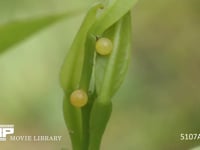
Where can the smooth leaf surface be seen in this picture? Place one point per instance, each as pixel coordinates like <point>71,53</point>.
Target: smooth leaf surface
<point>20,19</point>
<point>15,32</point>
<point>99,118</point>
<point>71,73</point>
<point>72,119</point>
<point>72,67</point>
<point>112,13</point>
<point>110,71</point>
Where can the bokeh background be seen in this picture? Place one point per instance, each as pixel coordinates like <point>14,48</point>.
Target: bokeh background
<point>159,100</point>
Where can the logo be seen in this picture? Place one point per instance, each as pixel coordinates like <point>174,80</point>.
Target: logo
<point>6,130</point>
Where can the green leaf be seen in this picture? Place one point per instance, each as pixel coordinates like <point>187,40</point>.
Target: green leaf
<point>71,74</point>
<point>109,73</point>
<point>85,83</point>
<point>112,13</point>
<point>78,66</point>
<point>14,32</point>
<point>72,67</point>
<point>99,118</point>
<point>73,121</point>
<point>110,70</point>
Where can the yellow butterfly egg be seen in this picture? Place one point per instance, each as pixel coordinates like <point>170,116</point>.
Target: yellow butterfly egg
<point>79,98</point>
<point>104,46</point>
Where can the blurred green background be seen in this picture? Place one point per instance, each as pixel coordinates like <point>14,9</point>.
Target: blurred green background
<point>158,101</point>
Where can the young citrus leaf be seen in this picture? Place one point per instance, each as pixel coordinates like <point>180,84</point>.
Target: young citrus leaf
<point>111,14</point>
<point>71,74</point>
<point>72,119</point>
<point>85,84</point>
<point>99,118</point>
<point>113,23</point>
<point>14,32</point>
<point>72,66</point>
<point>88,61</point>
<point>110,70</point>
